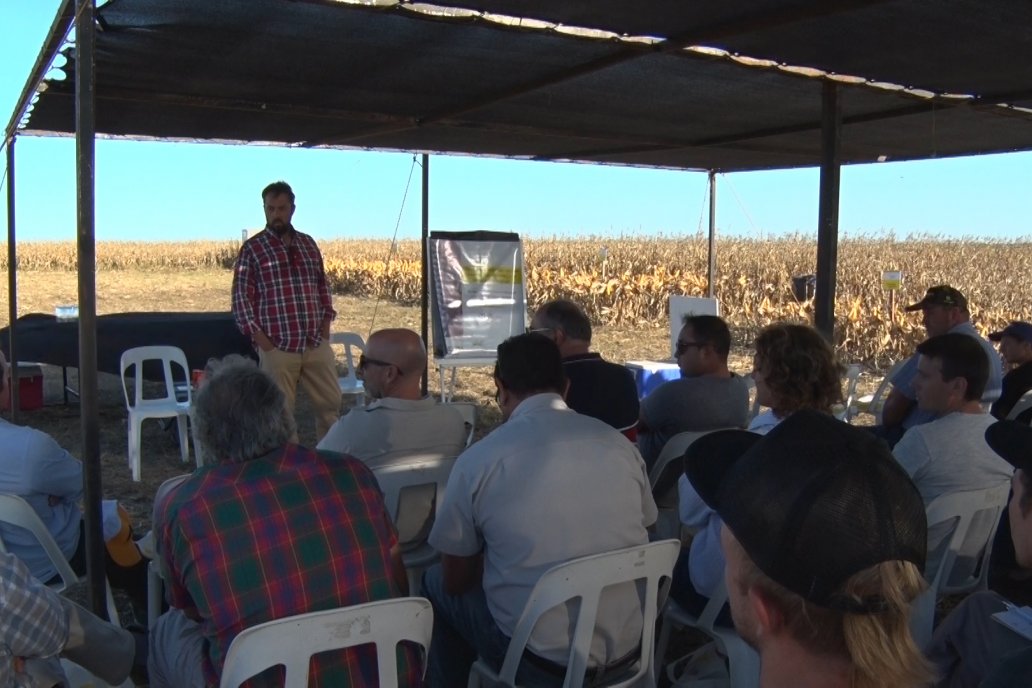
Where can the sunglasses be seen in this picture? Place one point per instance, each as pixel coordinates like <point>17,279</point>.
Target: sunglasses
<point>364,361</point>
<point>682,347</point>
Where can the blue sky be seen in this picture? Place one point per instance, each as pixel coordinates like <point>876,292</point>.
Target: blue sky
<point>166,191</point>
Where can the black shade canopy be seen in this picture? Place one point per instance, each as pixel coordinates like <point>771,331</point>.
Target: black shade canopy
<point>398,77</point>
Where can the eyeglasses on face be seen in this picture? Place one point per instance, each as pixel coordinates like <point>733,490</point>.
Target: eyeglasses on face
<point>546,331</point>
<point>364,361</point>
<point>683,347</point>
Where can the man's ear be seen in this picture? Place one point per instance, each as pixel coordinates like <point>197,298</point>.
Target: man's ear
<point>770,619</point>
<point>958,386</point>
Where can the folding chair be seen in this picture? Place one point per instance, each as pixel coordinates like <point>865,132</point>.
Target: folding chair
<point>963,566</point>
<point>743,662</point>
<point>171,405</point>
<point>413,486</point>
<point>291,642</point>
<point>16,512</point>
<point>584,580</point>
<point>350,385</point>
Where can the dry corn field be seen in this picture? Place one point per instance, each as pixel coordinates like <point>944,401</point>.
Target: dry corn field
<point>627,281</point>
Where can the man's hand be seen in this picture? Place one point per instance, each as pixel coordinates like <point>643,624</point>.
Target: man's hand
<point>263,341</point>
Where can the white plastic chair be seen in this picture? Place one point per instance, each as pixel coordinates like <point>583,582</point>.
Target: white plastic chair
<point>469,416</point>
<point>874,403</point>
<point>15,511</point>
<point>413,486</point>
<point>754,405</point>
<point>79,677</point>
<point>584,579</point>
<point>350,385</point>
<point>663,479</point>
<point>292,641</point>
<point>1023,404</point>
<point>168,406</point>
<point>964,564</point>
<point>743,662</point>
<point>846,410</point>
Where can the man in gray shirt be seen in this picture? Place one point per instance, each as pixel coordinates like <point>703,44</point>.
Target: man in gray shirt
<point>707,397</point>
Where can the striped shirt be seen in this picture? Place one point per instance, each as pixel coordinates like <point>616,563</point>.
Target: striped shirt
<point>287,533</point>
<point>281,290</point>
<point>33,622</point>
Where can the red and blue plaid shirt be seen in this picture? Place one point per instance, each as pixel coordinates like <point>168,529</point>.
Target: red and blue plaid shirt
<point>287,533</point>
<point>281,290</point>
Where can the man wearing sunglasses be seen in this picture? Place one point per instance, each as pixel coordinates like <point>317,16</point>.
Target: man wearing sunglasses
<point>707,397</point>
<point>281,301</point>
<point>400,420</point>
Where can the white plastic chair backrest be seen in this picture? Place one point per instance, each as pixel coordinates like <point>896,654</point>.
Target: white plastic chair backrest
<point>585,579</point>
<point>1023,404</point>
<point>413,486</point>
<point>469,416</point>
<point>349,340</point>
<point>849,392</point>
<point>16,511</point>
<point>292,641</point>
<point>878,399</point>
<point>167,355</point>
<point>667,469</point>
<point>976,515</point>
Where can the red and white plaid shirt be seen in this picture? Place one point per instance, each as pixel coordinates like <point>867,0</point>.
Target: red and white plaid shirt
<point>281,290</point>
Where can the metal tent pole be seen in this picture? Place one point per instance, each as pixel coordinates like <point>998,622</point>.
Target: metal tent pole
<point>425,271</point>
<point>712,269</point>
<point>85,134</point>
<point>12,283</point>
<point>827,223</point>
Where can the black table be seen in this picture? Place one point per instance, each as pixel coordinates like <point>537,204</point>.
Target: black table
<point>46,339</point>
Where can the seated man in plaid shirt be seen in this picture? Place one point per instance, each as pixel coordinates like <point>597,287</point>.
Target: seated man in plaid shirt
<point>267,529</point>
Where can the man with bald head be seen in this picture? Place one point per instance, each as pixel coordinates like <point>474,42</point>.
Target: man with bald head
<point>401,419</point>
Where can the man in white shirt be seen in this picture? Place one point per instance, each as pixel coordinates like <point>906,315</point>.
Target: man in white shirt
<point>950,454</point>
<point>547,486</point>
<point>401,420</point>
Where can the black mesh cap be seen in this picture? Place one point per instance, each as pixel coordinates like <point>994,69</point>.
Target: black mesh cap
<point>812,503</point>
<point>1012,440</point>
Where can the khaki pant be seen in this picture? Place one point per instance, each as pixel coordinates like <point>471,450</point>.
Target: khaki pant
<point>317,370</point>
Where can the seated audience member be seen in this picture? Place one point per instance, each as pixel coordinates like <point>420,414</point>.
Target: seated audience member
<point>794,367</point>
<point>824,537</point>
<point>943,310</point>
<point>400,420</point>
<point>950,454</point>
<point>265,530</point>
<point>707,397</point>
<point>36,468</point>
<point>598,388</point>
<point>969,648</point>
<point>1016,350</point>
<point>547,486</point>
<point>38,625</point>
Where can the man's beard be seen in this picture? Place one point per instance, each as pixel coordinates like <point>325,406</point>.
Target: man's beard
<point>281,228</point>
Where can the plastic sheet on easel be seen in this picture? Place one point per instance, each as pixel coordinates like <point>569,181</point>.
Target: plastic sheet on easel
<point>477,291</point>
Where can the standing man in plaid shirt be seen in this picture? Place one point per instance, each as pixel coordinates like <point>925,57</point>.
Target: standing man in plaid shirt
<point>281,301</point>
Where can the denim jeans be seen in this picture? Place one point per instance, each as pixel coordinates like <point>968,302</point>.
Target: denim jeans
<point>465,629</point>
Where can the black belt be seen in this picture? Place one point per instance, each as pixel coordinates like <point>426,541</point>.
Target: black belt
<point>592,674</point>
